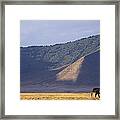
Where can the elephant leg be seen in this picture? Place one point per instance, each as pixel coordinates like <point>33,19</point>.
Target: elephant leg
<point>95,94</point>
<point>99,95</point>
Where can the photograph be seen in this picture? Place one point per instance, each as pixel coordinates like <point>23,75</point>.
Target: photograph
<point>58,55</point>
<point>60,60</point>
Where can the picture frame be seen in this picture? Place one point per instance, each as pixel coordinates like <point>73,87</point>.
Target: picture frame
<point>55,2</point>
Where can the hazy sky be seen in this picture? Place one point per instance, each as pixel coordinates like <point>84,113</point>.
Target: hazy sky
<point>48,32</point>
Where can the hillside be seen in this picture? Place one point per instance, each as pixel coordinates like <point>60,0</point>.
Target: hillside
<point>79,72</point>
<point>47,81</point>
<point>58,55</point>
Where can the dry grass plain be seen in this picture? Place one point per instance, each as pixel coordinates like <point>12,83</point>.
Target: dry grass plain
<point>57,96</point>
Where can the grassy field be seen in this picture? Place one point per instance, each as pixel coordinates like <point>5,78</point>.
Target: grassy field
<point>57,96</point>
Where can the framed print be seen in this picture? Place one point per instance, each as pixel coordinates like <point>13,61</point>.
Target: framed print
<point>60,59</point>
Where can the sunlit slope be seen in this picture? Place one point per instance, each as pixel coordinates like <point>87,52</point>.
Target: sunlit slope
<point>71,72</point>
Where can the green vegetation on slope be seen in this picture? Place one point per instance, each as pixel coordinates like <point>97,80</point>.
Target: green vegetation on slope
<point>58,55</point>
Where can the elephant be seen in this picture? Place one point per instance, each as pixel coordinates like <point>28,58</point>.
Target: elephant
<point>96,91</point>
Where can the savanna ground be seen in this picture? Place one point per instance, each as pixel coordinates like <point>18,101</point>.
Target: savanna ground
<point>57,96</point>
